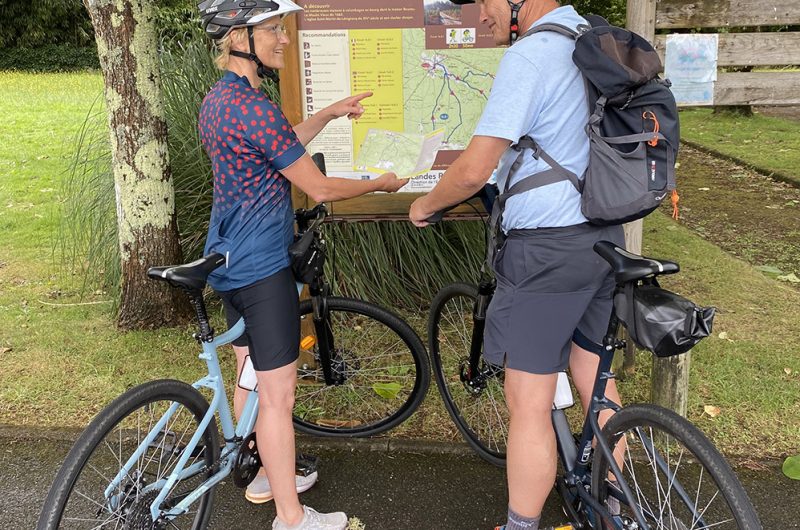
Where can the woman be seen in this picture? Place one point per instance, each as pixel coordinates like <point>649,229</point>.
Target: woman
<point>256,155</point>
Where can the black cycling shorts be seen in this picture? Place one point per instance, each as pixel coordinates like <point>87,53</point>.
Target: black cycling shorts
<point>271,311</point>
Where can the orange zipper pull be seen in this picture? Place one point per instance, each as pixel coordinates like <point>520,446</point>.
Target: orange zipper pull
<point>650,115</point>
<point>675,198</point>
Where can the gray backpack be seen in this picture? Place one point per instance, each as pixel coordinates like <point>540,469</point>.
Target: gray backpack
<point>633,130</point>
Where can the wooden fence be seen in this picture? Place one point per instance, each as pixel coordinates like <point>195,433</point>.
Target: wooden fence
<point>741,49</point>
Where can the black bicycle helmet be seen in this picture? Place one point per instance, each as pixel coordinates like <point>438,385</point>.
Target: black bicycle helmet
<point>515,7</point>
<point>221,16</point>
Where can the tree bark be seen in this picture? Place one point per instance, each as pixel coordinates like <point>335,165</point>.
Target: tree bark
<point>146,221</point>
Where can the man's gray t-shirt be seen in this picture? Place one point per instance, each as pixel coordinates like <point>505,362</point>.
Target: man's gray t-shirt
<point>539,91</point>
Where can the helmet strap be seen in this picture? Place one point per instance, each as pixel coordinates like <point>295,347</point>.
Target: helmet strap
<point>515,7</point>
<point>262,71</point>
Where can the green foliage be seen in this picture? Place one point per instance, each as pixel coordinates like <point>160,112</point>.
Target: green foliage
<point>398,265</point>
<point>36,24</point>
<point>49,58</point>
<point>177,21</point>
<point>611,10</point>
<point>87,235</point>
<point>57,35</point>
<point>791,467</point>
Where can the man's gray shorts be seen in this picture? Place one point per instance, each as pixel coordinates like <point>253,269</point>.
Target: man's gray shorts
<point>552,288</point>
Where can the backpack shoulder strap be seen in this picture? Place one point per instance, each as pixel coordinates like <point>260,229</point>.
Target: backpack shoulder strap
<point>556,173</point>
<point>558,28</point>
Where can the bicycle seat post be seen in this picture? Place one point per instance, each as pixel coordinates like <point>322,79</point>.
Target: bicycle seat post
<point>206,333</point>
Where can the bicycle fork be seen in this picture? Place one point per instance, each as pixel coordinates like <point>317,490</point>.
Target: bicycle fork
<point>325,342</point>
<point>473,378</point>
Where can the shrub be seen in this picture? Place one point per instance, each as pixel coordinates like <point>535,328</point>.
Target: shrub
<point>49,58</point>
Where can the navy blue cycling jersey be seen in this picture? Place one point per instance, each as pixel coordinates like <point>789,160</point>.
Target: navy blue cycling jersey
<point>248,140</point>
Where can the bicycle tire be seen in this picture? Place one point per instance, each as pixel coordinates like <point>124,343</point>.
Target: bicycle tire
<point>482,418</point>
<point>378,392</point>
<point>652,430</point>
<point>90,444</point>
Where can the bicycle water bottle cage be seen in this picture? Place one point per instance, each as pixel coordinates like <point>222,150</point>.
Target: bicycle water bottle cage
<point>191,276</point>
<point>630,267</point>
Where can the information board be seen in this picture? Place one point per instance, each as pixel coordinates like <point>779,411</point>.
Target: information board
<point>429,63</point>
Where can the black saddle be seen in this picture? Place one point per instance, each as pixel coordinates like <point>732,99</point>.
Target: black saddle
<point>191,276</point>
<point>630,267</point>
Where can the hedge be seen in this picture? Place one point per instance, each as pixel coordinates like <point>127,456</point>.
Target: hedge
<point>49,58</point>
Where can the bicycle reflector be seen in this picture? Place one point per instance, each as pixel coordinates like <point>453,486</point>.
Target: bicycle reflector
<point>308,342</point>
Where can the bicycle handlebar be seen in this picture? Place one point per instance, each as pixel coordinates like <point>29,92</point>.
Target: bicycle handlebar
<point>486,194</point>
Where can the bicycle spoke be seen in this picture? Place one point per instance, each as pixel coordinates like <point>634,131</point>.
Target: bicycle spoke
<point>128,505</point>
<point>480,411</point>
<point>673,486</point>
<point>375,370</point>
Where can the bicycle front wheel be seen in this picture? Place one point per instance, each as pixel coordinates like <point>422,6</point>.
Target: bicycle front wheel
<point>475,402</point>
<point>381,366</point>
<point>92,490</point>
<point>678,478</point>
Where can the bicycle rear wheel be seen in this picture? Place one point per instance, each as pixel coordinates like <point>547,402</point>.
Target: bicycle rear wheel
<point>678,478</point>
<point>479,409</point>
<point>381,362</point>
<point>78,496</point>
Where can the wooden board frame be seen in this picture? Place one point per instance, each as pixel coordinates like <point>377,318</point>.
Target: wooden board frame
<point>371,207</point>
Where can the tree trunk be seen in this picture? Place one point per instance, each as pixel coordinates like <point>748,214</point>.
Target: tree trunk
<point>147,229</point>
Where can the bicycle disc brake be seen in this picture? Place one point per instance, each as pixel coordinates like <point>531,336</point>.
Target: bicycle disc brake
<point>247,463</point>
<point>476,383</point>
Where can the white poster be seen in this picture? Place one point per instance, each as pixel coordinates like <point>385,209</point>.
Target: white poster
<point>691,66</point>
<point>324,80</point>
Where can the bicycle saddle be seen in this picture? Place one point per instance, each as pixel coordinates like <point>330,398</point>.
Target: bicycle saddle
<point>189,276</point>
<point>630,267</point>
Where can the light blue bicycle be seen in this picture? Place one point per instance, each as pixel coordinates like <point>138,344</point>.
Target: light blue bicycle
<point>151,459</point>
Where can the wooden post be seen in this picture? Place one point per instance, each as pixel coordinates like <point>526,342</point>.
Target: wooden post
<point>670,379</point>
<point>290,94</point>
<point>669,386</point>
<point>641,18</point>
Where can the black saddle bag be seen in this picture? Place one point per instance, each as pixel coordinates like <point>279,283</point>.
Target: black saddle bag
<point>307,256</point>
<point>661,321</point>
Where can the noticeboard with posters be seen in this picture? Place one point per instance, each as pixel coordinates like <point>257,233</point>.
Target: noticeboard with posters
<point>430,65</point>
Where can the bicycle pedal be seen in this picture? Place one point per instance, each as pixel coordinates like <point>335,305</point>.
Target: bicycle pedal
<point>305,464</point>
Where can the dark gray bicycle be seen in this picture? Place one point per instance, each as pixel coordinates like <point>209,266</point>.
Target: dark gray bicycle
<point>670,475</point>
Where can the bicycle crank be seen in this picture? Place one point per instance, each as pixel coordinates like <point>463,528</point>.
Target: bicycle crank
<point>247,463</point>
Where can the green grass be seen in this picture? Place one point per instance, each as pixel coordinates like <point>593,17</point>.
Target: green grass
<point>61,357</point>
<point>744,372</point>
<point>41,115</point>
<point>768,143</point>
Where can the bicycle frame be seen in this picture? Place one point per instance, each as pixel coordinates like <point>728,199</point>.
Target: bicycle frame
<point>233,435</point>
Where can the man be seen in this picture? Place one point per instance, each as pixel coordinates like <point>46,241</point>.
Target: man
<point>553,298</point>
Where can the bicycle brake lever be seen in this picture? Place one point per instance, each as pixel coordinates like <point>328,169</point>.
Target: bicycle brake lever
<point>435,218</point>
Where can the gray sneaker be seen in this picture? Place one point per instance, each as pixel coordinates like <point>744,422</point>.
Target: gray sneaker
<point>259,491</point>
<point>313,520</point>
